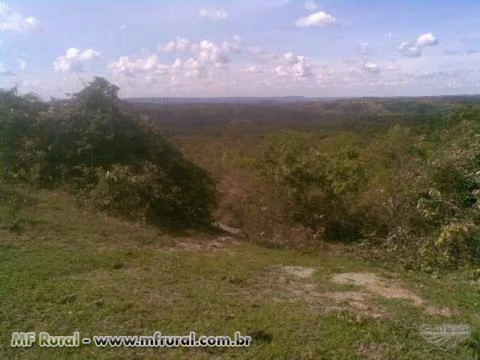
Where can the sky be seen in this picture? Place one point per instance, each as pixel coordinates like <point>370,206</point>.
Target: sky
<point>208,48</point>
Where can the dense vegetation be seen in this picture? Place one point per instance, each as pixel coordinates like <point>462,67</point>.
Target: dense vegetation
<point>399,177</point>
<point>92,146</point>
<point>398,191</point>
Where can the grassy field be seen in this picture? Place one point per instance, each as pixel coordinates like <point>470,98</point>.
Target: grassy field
<point>66,268</point>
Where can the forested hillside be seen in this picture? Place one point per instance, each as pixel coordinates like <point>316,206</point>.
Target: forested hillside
<point>396,175</point>
<point>401,177</point>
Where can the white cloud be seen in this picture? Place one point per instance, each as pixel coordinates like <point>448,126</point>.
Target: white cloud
<point>302,68</point>
<point>194,69</point>
<point>289,58</point>
<point>311,5</point>
<point>426,40</point>
<point>201,67</point>
<point>252,70</point>
<point>319,18</point>
<point>371,68</point>
<point>295,65</point>
<point>22,65</point>
<point>409,49</point>
<point>280,71</point>
<point>209,52</point>
<point>391,67</point>
<point>197,61</point>
<point>206,51</point>
<point>261,54</point>
<point>415,48</point>
<point>235,47</point>
<point>15,22</point>
<point>132,67</point>
<point>73,60</point>
<point>88,54</point>
<point>219,14</point>
<point>151,68</point>
<point>177,45</point>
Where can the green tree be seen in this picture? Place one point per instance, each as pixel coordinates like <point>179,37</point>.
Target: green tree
<point>95,146</point>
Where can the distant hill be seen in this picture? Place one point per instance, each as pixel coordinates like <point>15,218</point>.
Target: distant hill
<point>298,99</point>
<point>224,100</point>
<point>254,115</point>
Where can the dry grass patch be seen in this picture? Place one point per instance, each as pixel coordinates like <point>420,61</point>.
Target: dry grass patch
<point>376,285</point>
<point>303,272</point>
<point>294,284</point>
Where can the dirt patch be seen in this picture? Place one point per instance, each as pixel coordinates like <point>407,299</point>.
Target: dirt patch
<point>373,284</point>
<point>432,310</point>
<point>378,286</point>
<point>294,284</point>
<point>289,285</point>
<point>300,271</point>
<point>356,300</point>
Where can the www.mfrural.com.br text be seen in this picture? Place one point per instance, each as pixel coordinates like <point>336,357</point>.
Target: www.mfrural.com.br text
<point>157,339</point>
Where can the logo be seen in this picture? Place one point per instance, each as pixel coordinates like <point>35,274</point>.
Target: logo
<point>445,336</point>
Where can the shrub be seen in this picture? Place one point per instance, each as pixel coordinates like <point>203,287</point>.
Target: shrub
<point>94,146</point>
<point>10,205</point>
<point>315,182</point>
<point>417,201</point>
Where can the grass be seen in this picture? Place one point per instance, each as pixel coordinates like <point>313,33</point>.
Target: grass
<point>69,268</point>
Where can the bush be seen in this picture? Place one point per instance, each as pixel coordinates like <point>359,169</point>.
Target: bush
<point>149,194</point>
<point>417,201</point>
<point>315,184</point>
<point>94,146</point>
<point>10,206</point>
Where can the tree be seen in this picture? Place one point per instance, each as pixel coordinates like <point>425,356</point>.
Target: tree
<point>93,146</point>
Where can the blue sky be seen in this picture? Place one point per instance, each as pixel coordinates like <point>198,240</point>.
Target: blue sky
<point>242,48</point>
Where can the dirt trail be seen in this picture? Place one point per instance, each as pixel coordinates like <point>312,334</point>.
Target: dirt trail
<point>370,285</point>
